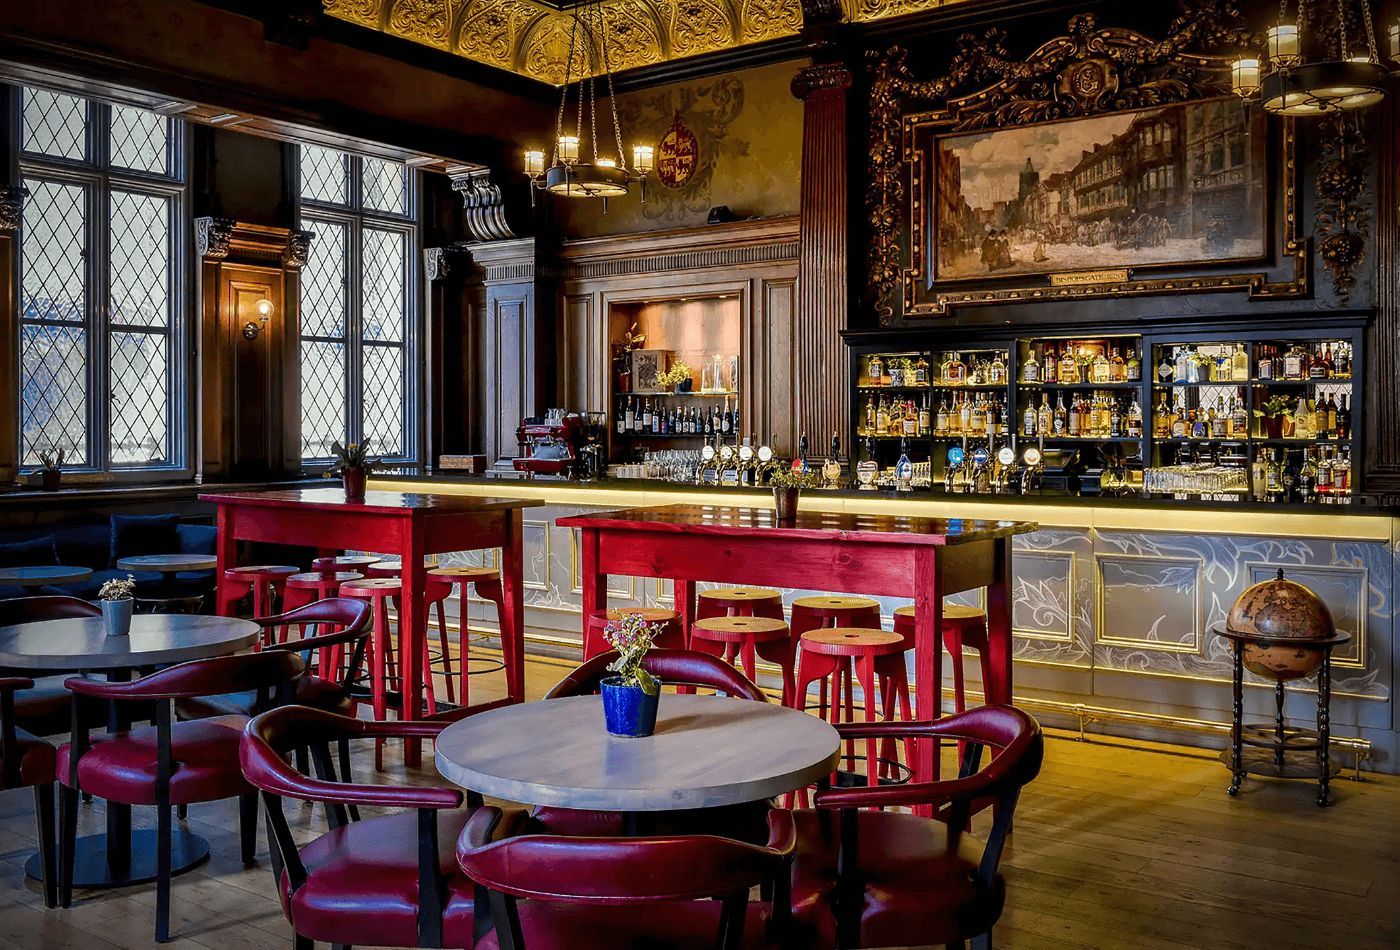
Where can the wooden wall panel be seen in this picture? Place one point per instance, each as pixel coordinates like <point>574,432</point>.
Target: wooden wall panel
<point>509,366</point>
<point>780,408</point>
<point>581,380</point>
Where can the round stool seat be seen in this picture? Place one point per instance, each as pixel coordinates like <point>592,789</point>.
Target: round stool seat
<point>367,587</point>
<point>739,629</point>
<point>950,612</point>
<point>314,580</point>
<point>267,572</point>
<point>739,597</point>
<point>827,605</point>
<point>345,562</point>
<point>852,641</point>
<point>649,614</point>
<point>465,573</point>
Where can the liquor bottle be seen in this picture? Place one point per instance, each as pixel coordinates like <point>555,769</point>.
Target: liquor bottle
<point>728,421</point>
<point>1134,367</point>
<point>965,416</point>
<point>1161,419</point>
<point>1341,473</point>
<point>1317,366</point>
<point>1045,419</point>
<point>904,469</point>
<point>1219,422</point>
<point>1343,360</point>
<point>921,372</point>
<point>979,417</point>
<point>1074,421</point>
<point>1069,367</point>
<point>925,417</point>
<point>1325,480</point>
<point>1003,422</point>
<point>957,370</point>
<point>1182,371</point>
<point>940,423</point>
<point>1343,419</point>
<point>1331,428</point>
<point>910,422</point>
<point>736,426</point>
<point>1058,420</point>
<point>1265,365</point>
<point>1052,365</point>
<point>1030,370</point>
<point>869,415</point>
<point>1181,426</point>
<point>1117,368</point>
<point>996,372</point>
<point>882,417</point>
<point>1239,365</point>
<point>1198,425</point>
<point>875,370</point>
<point>1258,476</point>
<point>1135,420</point>
<point>622,417</point>
<point>1166,370</point>
<point>1115,420</point>
<point>1028,420</point>
<point>710,421</point>
<point>1239,419</point>
<point>1308,476</point>
<point>1294,363</point>
<point>1101,370</point>
<point>1273,477</point>
<point>1302,419</point>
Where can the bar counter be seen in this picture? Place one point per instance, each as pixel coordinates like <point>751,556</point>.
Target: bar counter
<point>1114,599</point>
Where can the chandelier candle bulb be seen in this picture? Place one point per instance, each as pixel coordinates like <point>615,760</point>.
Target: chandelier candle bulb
<point>1244,77</point>
<point>607,163</point>
<point>568,148</point>
<point>642,156</point>
<point>534,163</point>
<point>1283,44</point>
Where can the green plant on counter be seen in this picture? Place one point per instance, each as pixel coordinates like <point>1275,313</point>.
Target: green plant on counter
<point>633,339</point>
<point>352,456</point>
<point>788,477</point>
<point>673,377</point>
<point>1275,407</point>
<point>118,589</point>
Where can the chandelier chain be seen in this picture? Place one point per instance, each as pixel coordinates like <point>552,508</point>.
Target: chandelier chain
<point>612,95</point>
<point>1372,52</point>
<point>564,95</point>
<point>1343,41</point>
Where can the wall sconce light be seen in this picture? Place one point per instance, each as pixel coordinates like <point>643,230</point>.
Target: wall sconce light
<point>251,329</point>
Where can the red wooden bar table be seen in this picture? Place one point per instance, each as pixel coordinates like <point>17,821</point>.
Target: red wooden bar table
<point>409,524</point>
<point>925,559</point>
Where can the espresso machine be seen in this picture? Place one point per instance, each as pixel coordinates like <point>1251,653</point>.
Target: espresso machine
<point>561,445</point>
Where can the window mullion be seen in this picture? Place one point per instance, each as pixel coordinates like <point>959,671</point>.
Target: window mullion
<point>99,373</point>
<point>354,329</point>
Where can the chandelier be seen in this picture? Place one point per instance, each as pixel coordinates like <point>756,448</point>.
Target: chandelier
<point>569,174</point>
<point>1320,67</point>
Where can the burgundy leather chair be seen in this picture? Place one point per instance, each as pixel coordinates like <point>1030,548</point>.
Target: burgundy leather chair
<point>170,763</point>
<point>381,881</point>
<point>882,878</point>
<point>45,708</point>
<point>26,760</point>
<point>549,891</point>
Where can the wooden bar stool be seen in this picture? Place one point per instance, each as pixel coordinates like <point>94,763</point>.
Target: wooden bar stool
<point>829,610</point>
<point>742,637</point>
<point>379,591</point>
<point>310,586</point>
<point>670,638</point>
<point>266,582</point>
<point>962,627</point>
<point>345,562</point>
<point>826,651</point>
<point>435,594</point>
<point>751,602</point>
<point>487,583</point>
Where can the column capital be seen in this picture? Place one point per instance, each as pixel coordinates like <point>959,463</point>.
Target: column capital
<point>821,77</point>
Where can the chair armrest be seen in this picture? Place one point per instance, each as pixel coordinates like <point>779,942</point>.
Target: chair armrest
<point>923,793</point>
<point>272,774</point>
<point>446,717</point>
<point>782,832</point>
<point>100,689</point>
<point>320,641</point>
<point>9,684</point>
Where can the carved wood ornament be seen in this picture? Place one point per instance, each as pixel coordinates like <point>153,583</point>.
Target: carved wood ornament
<point>1090,71</point>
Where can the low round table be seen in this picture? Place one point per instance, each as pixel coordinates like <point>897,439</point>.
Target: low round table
<point>54,646</point>
<point>169,565</point>
<point>708,752</point>
<point>42,575</point>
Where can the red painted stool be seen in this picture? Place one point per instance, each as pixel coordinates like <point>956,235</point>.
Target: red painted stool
<point>345,562</point>
<point>310,586</point>
<point>827,651</point>
<point>741,637</point>
<point>962,627</point>
<point>435,594</point>
<point>266,582</point>
<point>672,637</point>
<point>379,591</point>
<point>750,602</point>
<point>829,610</point>
<point>487,582</point>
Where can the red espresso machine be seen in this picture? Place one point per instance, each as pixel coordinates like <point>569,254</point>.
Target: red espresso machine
<point>561,444</point>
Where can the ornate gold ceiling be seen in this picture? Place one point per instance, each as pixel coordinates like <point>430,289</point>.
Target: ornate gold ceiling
<point>530,37</point>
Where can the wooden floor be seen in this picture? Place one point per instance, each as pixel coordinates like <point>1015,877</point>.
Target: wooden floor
<point>1117,845</point>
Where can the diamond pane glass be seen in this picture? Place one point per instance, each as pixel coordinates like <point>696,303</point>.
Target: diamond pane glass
<point>322,398</point>
<point>55,124</point>
<point>384,273</point>
<point>384,185</point>
<point>53,252</point>
<point>384,407</point>
<point>140,399</point>
<point>323,289</point>
<point>140,140</point>
<point>53,393</point>
<point>140,264</point>
<point>325,174</point>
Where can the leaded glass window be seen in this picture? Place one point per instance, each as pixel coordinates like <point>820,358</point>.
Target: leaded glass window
<point>359,300</point>
<point>102,293</point>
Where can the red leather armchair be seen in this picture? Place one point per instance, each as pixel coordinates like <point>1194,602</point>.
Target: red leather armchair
<point>883,878</point>
<point>381,881</point>
<point>45,707</point>
<point>170,763</point>
<point>26,760</point>
<point>584,893</point>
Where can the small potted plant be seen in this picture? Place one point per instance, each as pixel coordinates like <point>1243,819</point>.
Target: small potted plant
<point>51,474</point>
<point>117,597</point>
<point>677,378</point>
<point>630,697</point>
<point>787,484</point>
<point>622,357</point>
<point>352,464</point>
<point>1275,411</point>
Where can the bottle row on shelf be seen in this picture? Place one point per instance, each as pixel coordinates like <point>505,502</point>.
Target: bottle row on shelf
<point>1074,363</point>
<point>1229,363</point>
<point>1279,417</point>
<point>1099,414</point>
<point>650,416</point>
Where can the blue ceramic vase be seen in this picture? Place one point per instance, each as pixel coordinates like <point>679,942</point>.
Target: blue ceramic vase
<point>630,711</point>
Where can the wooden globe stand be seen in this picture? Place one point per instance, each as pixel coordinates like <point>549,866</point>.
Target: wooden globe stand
<point>1265,750</point>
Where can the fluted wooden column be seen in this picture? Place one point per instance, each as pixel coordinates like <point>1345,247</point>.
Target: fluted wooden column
<point>820,358</point>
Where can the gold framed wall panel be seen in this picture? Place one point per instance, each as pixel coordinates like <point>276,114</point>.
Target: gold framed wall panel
<point>1071,600</point>
<point>1359,644</point>
<point>1157,646</point>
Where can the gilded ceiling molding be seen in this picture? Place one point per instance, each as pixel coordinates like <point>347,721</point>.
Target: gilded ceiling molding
<point>533,38</point>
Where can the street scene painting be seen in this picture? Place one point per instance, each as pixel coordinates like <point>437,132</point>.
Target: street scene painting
<point>1175,185</point>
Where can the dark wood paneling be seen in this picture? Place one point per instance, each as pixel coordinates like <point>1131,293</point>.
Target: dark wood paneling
<point>779,408</point>
<point>1383,391</point>
<point>509,367</point>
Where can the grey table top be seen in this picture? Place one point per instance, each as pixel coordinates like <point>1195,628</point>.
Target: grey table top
<point>708,751</point>
<point>83,644</point>
<point>168,563</point>
<point>41,574</point>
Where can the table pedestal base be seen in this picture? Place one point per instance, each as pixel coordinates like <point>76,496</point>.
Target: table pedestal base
<point>90,869</point>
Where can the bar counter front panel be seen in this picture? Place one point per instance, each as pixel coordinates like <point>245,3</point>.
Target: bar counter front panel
<point>1113,606</point>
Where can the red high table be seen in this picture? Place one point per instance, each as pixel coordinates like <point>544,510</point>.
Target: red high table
<point>408,524</point>
<point>925,559</point>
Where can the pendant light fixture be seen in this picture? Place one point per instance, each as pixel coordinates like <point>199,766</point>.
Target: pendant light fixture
<point>576,168</point>
<point>1316,64</point>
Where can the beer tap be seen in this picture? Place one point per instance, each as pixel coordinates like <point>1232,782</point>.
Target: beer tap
<point>1030,479</point>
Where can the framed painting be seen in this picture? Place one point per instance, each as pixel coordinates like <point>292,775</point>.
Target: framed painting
<point>1175,186</point>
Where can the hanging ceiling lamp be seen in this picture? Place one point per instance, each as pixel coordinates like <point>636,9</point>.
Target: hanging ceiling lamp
<point>1317,68</point>
<point>568,173</point>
